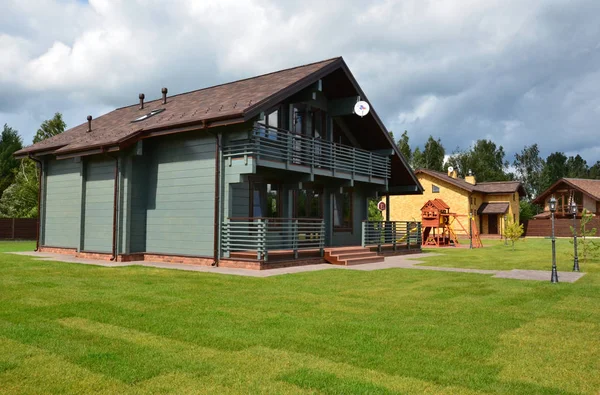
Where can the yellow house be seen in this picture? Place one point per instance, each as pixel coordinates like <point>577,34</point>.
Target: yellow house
<point>490,203</point>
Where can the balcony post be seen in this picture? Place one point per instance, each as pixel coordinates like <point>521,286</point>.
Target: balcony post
<point>332,151</point>
<point>353,163</point>
<point>322,239</point>
<point>262,239</point>
<point>312,156</point>
<point>295,238</point>
<point>289,142</point>
<point>225,240</point>
<point>363,234</point>
<point>256,143</point>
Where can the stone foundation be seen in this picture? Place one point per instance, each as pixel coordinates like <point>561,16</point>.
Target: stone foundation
<point>58,250</point>
<point>187,260</point>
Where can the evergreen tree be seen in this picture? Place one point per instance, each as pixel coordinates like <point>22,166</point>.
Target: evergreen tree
<point>577,167</point>
<point>404,147</point>
<point>555,169</point>
<point>10,141</point>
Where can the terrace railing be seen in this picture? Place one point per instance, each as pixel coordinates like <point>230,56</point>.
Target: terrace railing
<point>263,235</point>
<point>310,154</point>
<point>391,234</point>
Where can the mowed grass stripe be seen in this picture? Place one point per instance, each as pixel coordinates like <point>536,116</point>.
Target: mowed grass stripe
<point>401,331</point>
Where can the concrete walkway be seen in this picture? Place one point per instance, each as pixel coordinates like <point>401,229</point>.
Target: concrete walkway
<point>398,262</point>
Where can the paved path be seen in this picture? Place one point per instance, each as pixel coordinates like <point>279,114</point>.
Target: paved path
<point>399,262</point>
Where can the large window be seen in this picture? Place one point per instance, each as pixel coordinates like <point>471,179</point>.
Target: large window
<point>271,118</point>
<point>342,211</point>
<point>299,119</point>
<point>265,200</point>
<point>308,204</point>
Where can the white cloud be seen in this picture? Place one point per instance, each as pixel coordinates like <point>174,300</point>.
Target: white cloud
<point>513,71</point>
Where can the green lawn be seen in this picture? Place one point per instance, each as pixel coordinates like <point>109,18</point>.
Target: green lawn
<point>78,328</point>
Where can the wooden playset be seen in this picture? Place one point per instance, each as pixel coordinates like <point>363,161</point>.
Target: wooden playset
<point>438,226</point>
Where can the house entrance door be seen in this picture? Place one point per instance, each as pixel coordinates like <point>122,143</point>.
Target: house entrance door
<point>493,224</point>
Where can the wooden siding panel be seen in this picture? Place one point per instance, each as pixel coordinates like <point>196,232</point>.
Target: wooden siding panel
<point>240,200</point>
<point>62,205</point>
<point>99,203</point>
<point>139,198</point>
<point>180,209</point>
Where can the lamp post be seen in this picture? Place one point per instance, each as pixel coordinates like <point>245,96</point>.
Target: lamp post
<point>575,257</point>
<point>552,204</point>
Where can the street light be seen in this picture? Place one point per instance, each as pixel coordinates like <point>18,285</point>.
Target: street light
<point>552,204</point>
<point>576,258</point>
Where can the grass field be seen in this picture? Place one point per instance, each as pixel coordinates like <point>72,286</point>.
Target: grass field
<point>79,328</point>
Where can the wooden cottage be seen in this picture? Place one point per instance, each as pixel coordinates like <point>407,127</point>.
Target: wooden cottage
<point>272,163</point>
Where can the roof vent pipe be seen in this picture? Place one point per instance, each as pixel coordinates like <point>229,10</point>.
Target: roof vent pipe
<point>164,92</point>
<point>142,96</point>
<point>89,118</point>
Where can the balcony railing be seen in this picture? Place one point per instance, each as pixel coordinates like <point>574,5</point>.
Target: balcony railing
<point>311,155</point>
<point>256,237</point>
<point>391,234</point>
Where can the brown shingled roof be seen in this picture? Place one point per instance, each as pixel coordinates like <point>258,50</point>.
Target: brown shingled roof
<point>490,188</point>
<point>585,186</point>
<point>239,99</point>
<point>493,208</point>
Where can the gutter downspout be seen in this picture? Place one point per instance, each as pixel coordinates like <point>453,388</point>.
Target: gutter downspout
<point>39,221</point>
<point>115,202</point>
<point>217,197</point>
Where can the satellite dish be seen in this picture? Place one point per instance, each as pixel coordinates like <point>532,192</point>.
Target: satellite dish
<point>361,108</point>
<point>450,169</point>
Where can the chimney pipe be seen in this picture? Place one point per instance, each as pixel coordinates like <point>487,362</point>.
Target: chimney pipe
<point>164,93</point>
<point>142,96</point>
<point>89,118</point>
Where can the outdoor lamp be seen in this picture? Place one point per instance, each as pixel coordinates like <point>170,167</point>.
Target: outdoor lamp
<point>554,277</point>
<point>575,257</point>
<point>552,204</point>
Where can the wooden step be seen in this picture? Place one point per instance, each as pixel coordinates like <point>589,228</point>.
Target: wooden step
<point>361,254</point>
<point>341,250</point>
<point>361,261</point>
<point>351,256</point>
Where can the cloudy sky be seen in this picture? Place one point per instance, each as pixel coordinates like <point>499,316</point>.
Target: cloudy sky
<point>517,72</point>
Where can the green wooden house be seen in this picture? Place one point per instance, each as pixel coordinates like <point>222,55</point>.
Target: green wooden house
<point>239,172</point>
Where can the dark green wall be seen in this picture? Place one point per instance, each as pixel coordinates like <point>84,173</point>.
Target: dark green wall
<point>62,204</point>
<point>181,192</point>
<point>99,203</point>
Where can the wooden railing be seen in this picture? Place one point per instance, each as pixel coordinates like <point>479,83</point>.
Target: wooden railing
<point>312,154</point>
<point>392,234</point>
<point>261,235</point>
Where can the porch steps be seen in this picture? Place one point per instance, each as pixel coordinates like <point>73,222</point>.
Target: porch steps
<point>351,256</point>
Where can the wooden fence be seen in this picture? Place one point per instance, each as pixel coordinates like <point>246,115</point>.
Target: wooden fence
<point>562,227</point>
<point>18,228</point>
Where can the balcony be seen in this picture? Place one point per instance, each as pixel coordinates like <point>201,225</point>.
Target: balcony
<point>282,149</point>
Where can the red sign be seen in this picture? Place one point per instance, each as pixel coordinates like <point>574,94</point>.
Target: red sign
<point>381,206</point>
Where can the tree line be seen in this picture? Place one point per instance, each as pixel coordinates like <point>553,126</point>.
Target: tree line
<point>19,178</point>
<point>488,162</point>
